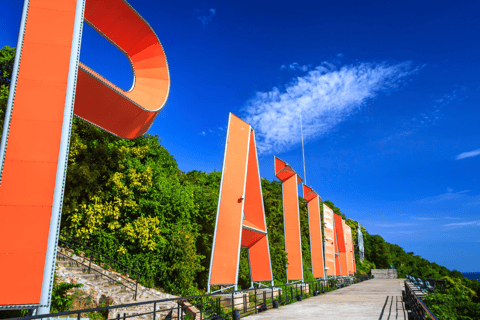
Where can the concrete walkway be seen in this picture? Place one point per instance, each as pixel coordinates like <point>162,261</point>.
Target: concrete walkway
<point>376,299</point>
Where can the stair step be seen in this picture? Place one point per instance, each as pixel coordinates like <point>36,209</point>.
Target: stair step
<point>69,263</point>
<point>111,284</point>
<point>77,269</point>
<point>107,282</point>
<point>119,289</point>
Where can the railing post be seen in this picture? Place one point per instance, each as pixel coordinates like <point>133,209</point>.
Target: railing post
<point>201,308</point>
<point>178,309</point>
<point>245,305</point>
<point>79,315</point>
<point>90,263</point>
<point>218,308</point>
<point>255,300</point>
<point>233,304</point>
<point>264,300</point>
<point>118,316</point>
<point>154,310</point>
<point>136,287</point>
<point>272,296</point>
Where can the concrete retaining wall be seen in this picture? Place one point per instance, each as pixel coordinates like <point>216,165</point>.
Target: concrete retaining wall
<point>385,273</point>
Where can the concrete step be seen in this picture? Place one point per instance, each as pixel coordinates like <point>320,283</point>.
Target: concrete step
<point>125,297</point>
<point>69,263</point>
<point>394,309</point>
<point>159,315</point>
<point>105,282</point>
<point>119,289</point>
<point>76,269</point>
<point>61,257</point>
<point>92,276</point>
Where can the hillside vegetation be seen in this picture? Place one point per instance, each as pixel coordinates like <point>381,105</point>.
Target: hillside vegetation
<point>130,200</point>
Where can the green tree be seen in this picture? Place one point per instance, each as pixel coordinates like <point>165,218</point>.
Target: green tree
<point>379,254</point>
<point>7,56</point>
<point>130,200</point>
<point>458,303</point>
<point>336,210</point>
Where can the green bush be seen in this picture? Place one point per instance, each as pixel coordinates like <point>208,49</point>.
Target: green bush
<point>458,303</point>
<point>61,301</point>
<point>129,200</point>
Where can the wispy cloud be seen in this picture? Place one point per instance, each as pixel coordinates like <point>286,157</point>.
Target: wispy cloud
<point>205,16</point>
<point>468,154</point>
<point>402,232</point>
<point>428,117</point>
<point>464,224</point>
<point>325,96</point>
<point>444,197</point>
<point>423,218</point>
<point>398,135</point>
<point>296,67</point>
<point>219,131</point>
<point>396,224</point>
<point>431,116</point>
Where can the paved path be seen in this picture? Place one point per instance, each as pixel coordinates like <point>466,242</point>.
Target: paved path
<point>362,301</point>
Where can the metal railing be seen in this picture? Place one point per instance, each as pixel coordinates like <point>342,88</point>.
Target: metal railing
<point>427,285</point>
<point>417,309</point>
<point>91,255</point>
<point>227,305</point>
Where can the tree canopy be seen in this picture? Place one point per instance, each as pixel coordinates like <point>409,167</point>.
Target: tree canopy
<point>129,199</point>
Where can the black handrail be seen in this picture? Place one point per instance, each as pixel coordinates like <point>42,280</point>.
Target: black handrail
<point>415,304</point>
<point>99,255</point>
<point>209,306</point>
<point>428,284</point>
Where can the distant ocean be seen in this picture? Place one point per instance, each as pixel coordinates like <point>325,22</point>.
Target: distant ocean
<point>472,275</point>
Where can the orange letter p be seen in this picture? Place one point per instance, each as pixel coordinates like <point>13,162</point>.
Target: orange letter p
<point>35,140</point>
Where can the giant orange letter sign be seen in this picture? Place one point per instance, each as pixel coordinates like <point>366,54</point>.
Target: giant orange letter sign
<point>350,252</point>
<point>240,214</point>
<point>342,250</point>
<point>35,140</point>
<point>315,228</point>
<point>330,243</point>
<point>291,218</point>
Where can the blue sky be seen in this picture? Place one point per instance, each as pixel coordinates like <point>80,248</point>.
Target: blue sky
<point>388,92</point>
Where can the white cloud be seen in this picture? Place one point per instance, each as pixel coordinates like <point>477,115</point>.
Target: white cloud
<point>296,67</point>
<point>468,154</point>
<point>463,224</point>
<point>205,16</point>
<point>428,117</point>
<point>423,218</point>
<point>219,131</point>
<point>402,232</point>
<point>432,115</point>
<point>396,224</point>
<point>444,197</point>
<point>398,135</point>
<point>326,96</point>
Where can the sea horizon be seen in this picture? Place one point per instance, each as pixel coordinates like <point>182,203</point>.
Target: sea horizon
<point>475,275</point>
